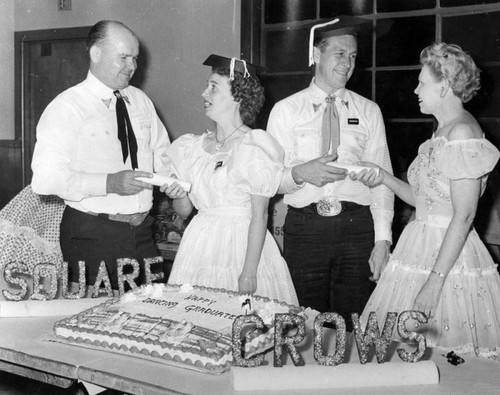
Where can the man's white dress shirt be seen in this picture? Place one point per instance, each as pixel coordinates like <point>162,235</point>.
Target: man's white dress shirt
<point>296,122</point>
<point>77,146</point>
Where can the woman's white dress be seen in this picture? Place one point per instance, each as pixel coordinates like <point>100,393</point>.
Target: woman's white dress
<point>467,319</point>
<point>213,246</point>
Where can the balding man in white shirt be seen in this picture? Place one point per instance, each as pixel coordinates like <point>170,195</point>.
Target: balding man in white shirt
<point>81,156</point>
<point>337,232</point>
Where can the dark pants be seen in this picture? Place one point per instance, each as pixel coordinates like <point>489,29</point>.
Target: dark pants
<point>89,238</point>
<point>328,258</point>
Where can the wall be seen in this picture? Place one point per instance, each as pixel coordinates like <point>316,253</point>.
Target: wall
<point>7,68</point>
<point>176,36</point>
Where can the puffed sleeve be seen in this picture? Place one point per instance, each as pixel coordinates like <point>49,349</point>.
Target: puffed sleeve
<point>256,165</point>
<point>471,158</point>
<point>179,155</point>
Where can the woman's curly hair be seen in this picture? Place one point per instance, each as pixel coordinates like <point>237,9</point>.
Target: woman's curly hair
<point>247,91</point>
<point>450,62</point>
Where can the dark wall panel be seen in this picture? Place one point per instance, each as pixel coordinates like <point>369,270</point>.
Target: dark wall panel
<point>11,174</point>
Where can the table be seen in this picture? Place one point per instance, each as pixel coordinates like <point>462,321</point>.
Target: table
<point>24,350</point>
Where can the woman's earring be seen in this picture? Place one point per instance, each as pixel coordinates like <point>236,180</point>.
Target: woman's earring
<point>442,93</point>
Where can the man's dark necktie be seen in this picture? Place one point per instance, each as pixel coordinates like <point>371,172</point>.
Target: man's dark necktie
<point>125,132</point>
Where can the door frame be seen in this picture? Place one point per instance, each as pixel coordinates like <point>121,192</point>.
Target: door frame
<point>22,96</point>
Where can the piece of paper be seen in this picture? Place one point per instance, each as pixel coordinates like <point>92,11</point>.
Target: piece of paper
<point>346,375</point>
<point>160,180</point>
<point>353,168</point>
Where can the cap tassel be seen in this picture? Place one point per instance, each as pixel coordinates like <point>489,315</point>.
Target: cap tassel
<point>231,69</point>
<point>311,38</point>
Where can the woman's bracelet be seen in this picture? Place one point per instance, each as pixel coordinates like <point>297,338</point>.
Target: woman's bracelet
<point>439,274</point>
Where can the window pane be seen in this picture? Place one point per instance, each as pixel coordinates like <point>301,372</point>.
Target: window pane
<point>394,93</point>
<point>278,11</point>
<point>403,139</point>
<point>361,83</point>
<point>477,34</point>
<point>399,41</point>
<point>287,50</point>
<point>404,5</point>
<point>332,8</point>
<point>487,102</point>
<point>277,88</point>
<point>364,58</point>
<point>491,129</point>
<point>454,3</point>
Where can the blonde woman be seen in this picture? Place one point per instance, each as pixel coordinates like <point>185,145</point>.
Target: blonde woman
<point>440,266</point>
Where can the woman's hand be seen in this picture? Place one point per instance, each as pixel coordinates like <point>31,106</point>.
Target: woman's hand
<point>371,177</point>
<point>174,191</point>
<point>427,299</point>
<point>247,283</point>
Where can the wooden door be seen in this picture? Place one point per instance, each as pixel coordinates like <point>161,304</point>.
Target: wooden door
<point>47,63</point>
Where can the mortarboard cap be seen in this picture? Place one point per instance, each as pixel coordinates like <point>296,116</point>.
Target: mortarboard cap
<point>233,64</point>
<point>339,26</point>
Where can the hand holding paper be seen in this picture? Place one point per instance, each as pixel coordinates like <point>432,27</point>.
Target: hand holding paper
<point>160,180</point>
<point>354,168</point>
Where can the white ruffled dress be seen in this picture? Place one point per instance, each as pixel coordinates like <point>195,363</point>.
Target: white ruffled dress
<point>467,319</point>
<point>213,246</point>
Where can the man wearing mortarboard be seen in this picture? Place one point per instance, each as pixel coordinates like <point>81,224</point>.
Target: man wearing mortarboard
<point>337,231</point>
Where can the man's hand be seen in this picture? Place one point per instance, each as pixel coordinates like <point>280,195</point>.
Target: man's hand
<point>317,172</point>
<point>124,182</point>
<point>378,258</point>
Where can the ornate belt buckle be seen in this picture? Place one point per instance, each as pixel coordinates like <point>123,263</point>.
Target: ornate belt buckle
<point>329,206</point>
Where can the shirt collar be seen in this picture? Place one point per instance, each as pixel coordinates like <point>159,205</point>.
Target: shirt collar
<point>98,88</point>
<point>103,91</point>
<point>319,95</point>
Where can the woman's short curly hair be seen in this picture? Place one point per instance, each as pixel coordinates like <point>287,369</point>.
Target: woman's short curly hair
<point>248,92</point>
<point>450,62</point>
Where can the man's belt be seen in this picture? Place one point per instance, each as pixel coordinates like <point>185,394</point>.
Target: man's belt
<point>328,209</point>
<point>132,219</point>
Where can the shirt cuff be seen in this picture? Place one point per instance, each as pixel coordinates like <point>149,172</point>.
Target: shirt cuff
<point>288,184</point>
<point>94,184</point>
<point>383,231</point>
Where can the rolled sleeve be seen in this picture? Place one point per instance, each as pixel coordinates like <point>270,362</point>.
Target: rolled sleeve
<point>382,206</point>
<point>279,127</point>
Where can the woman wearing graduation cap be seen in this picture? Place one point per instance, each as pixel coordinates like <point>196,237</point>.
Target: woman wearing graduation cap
<point>234,170</point>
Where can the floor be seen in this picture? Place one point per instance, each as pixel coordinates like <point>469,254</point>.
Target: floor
<point>12,384</point>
